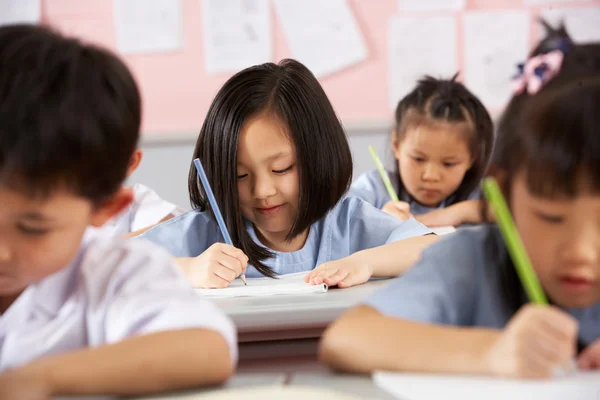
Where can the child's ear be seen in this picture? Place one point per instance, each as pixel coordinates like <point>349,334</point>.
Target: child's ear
<point>134,161</point>
<point>395,145</point>
<point>111,206</point>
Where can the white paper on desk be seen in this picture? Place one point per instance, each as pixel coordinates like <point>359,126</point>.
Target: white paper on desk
<point>443,230</point>
<point>583,24</point>
<point>418,47</point>
<point>581,386</point>
<point>20,11</point>
<point>237,34</point>
<point>147,26</point>
<point>431,5</point>
<point>285,284</point>
<point>495,43</point>
<point>322,34</point>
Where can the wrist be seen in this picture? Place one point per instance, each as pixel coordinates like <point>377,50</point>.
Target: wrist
<point>362,260</point>
<point>482,360</point>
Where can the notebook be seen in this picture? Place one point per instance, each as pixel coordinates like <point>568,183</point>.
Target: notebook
<point>580,386</point>
<point>284,284</point>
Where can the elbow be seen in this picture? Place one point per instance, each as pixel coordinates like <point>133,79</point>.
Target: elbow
<point>340,346</point>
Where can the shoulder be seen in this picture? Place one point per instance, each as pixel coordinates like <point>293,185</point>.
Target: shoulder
<point>186,235</point>
<point>113,262</point>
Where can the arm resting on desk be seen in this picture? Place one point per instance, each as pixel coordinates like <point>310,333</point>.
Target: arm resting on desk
<point>362,340</point>
<point>465,212</point>
<point>140,365</point>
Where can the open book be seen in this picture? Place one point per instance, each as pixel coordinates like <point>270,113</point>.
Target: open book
<point>283,284</point>
<point>580,386</point>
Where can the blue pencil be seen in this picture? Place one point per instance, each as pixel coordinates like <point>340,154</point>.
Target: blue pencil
<point>214,206</point>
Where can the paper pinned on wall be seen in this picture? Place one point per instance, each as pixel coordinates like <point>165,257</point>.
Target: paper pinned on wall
<point>495,43</point>
<point>537,2</point>
<point>583,24</point>
<point>418,47</point>
<point>20,12</point>
<point>323,35</point>
<point>581,386</point>
<point>285,284</point>
<point>237,34</point>
<point>431,5</point>
<point>148,26</point>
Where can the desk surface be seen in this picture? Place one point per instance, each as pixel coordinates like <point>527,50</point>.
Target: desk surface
<point>293,312</point>
<point>361,386</point>
<point>356,385</point>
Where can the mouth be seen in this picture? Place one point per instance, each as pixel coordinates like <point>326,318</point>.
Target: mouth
<point>269,210</point>
<point>576,284</point>
<point>430,192</point>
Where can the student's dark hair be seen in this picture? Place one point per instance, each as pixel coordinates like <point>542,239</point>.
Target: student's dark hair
<point>69,114</point>
<point>554,137</point>
<point>555,39</point>
<point>291,94</point>
<point>445,100</point>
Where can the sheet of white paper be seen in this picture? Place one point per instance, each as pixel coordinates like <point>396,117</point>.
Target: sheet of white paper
<point>273,392</point>
<point>285,284</point>
<point>418,47</point>
<point>431,5</point>
<point>581,386</point>
<point>495,42</point>
<point>20,11</point>
<point>443,230</point>
<point>147,26</point>
<point>237,34</point>
<point>323,35</point>
<point>583,24</point>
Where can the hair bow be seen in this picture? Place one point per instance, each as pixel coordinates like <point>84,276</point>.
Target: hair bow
<point>537,71</point>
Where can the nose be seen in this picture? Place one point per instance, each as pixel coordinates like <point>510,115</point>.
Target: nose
<point>431,173</point>
<point>263,187</point>
<point>582,248</point>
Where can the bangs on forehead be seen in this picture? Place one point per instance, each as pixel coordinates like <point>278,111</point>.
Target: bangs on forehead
<point>561,143</point>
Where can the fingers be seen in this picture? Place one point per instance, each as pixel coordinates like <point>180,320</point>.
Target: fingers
<point>590,357</point>
<point>236,253</point>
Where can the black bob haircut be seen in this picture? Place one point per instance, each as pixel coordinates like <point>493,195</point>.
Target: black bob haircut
<point>293,95</point>
<point>69,115</point>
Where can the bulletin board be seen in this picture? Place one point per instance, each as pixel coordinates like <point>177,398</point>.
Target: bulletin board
<point>177,90</point>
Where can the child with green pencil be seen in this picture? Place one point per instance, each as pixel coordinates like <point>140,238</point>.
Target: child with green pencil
<point>442,142</point>
<point>510,300</point>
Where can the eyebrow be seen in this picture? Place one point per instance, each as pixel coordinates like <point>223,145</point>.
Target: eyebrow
<point>451,157</point>
<point>278,155</point>
<point>35,217</point>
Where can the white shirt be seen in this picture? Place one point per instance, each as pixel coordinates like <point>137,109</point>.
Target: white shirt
<point>112,290</point>
<point>146,209</point>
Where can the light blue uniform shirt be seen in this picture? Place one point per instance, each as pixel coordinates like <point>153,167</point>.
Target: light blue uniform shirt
<point>370,187</point>
<point>352,225</point>
<point>457,282</point>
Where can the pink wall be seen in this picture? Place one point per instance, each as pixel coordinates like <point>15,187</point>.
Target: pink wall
<point>177,90</point>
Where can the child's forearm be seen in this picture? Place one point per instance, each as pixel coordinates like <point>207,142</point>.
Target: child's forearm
<point>363,341</point>
<point>139,365</point>
<point>465,212</point>
<point>395,258</point>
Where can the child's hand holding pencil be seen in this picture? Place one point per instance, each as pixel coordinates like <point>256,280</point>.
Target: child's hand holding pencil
<point>538,341</point>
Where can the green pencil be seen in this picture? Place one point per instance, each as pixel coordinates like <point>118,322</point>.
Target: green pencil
<point>513,241</point>
<point>383,173</point>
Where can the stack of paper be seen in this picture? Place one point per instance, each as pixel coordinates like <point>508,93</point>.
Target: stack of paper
<point>284,284</point>
<point>580,386</point>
